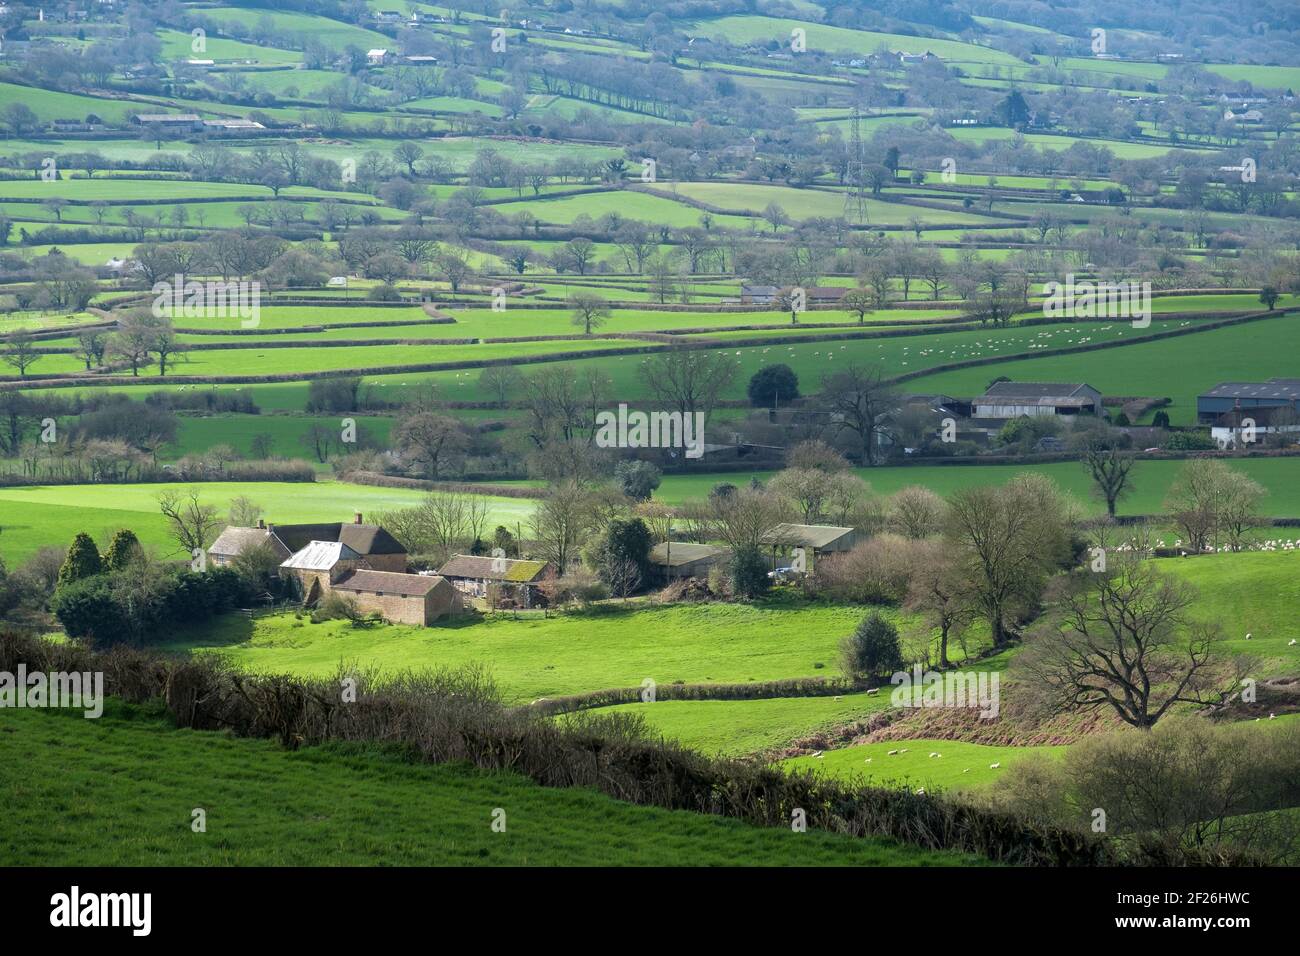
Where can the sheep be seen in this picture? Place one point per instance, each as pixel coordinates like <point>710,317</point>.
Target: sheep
<point>1291,643</point>
<point>817,754</point>
<point>921,792</point>
<point>868,760</point>
<point>933,754</point>
<point>1247,635</point>
<point>892,752</point>
<point>967,770</point>
<point>994,766</point>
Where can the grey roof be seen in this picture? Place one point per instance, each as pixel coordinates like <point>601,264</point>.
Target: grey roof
<point>474,567</point>
<point>1282,389</point>
<point>1038,392</point>
<point>389,582</point>
<point>320,556</point>
<point>233,541</point>
<point>682,552</point>
<point>805,535</point>
<point>361,538</point>
<point>168,117</point>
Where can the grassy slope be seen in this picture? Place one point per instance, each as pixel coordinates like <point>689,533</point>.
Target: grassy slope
<point>33,517</point>
<point>119,791</point>
<point>961,766</point>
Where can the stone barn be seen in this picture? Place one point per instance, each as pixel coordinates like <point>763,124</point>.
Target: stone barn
<point>418,599</point>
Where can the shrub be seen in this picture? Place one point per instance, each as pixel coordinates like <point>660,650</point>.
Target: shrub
<point>772,385</point>
<point>124,548</point>
<point>637,479</point>
<point>89,610</point>
<point>872,650</point>
<point>748,573</point>
<point>876,571</point>
<point>82,562</point>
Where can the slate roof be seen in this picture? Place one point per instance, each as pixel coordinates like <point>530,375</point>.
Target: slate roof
<point>389,582</point>
<point>516,570</point>
<point>1038,392</point>
<point>361,538</point>
<point>233,541</point>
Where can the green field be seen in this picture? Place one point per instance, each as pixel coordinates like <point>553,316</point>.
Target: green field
<point>536,657</point>
<point>959,766</point>
<point>119,791</point>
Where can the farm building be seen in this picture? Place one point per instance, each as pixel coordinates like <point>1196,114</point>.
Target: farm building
<point>381,551</point>
<point>758,294</point>
<point>1245,426</point>
<point>234,541</point>
<point>315,568</point>
<point>519,580</point>
<point>171,121</point>
<point>1014,399</point>
<point>417,599</point>
<point>814,539</point>
<point>1230,396</point>
<point>682,559</point>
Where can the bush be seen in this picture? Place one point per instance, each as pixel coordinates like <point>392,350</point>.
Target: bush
<point>772,385</point>
<point>876,571</point>
<point>749,573</point>
<point>637,479</point>
<point>1190,441</point>
<point>89,610</point>
<point>872,650</point>
<point>82,562</point>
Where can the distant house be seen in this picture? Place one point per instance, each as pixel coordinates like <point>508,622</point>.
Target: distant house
<point>1242,427</point>
<point>1014,399</point>
<point>758,294</point>
<point>376,547</point>
<point>825,294</point>
<point>418,599</point>
<point>682,559</point>
<point>1244,396</point>
<point>519,580</point>
<point>379,57</point>
<point>420,60</point>
<point>169,121</point>
<point>388,16</point>
<point>233,542</point>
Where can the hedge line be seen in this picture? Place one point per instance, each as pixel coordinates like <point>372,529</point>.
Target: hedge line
<point>455,716</point>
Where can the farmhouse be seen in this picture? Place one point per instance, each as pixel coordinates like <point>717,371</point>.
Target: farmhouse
<point>681,559</point>
<point>1229,396</point>
<point>379,57</point>
<point>758,294</point>
<point>1014,399</point>
<point>518,580</point>
<point>1243,427</point>
<point>234,541</point>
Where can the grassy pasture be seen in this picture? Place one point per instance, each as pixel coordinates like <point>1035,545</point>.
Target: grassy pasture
<point>36,516</point>
<point>961,766</point>
<point>542,657</point>
<point>118,792</point>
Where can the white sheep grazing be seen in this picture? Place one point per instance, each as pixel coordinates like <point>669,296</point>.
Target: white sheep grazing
<point>817,754</point>
<point>994,766</point>
<point>903,751</point>
<point>932,754</point>
<point>868,760</point>
<point>873,692</point>
<point>838,697</point>
<point>892,752</point>
<point>1291,643</point>
<point>1247,635</point>
<point>1272,716</point>
<point>967,770</point>
<point>921,792</point>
